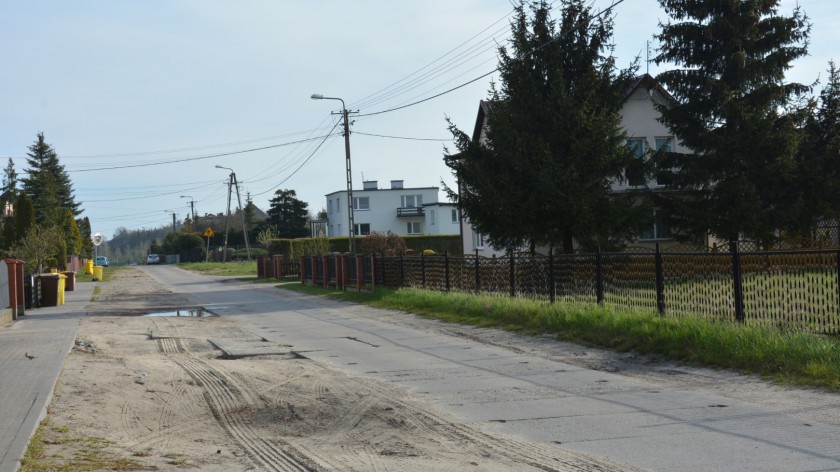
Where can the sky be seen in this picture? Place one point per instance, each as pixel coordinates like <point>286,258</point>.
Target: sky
<point>143,99</point>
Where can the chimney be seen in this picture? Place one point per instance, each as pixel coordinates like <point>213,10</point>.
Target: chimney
<point>369,185</point>
<point>396,184</point>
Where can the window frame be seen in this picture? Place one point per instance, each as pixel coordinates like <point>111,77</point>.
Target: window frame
<point>410,226</point>
<point>357,203</point>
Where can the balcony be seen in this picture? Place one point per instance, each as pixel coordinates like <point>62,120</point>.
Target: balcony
<point>410,212</point>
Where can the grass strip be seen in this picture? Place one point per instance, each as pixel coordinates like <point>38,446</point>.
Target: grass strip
<point>235,268</point>
<point>784,356</point>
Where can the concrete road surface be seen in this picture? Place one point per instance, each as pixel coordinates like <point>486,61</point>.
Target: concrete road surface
<point>623,418</point>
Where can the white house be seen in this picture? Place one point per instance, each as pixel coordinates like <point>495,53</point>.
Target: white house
<point>639,118</point>
<point>403,211</point>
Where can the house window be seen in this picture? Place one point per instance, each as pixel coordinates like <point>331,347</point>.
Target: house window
<point>432,217</point>
<point>478,240</point>
<point>362,229</point>
<point>411,201</point>
<point>414,227</point>
<point>657,230</point>
<point>361,203</point>
<point>635,174</point>
<point>329,205</point>
<point>666,144</point>
<point>337,205</point>
<point>454,215</point>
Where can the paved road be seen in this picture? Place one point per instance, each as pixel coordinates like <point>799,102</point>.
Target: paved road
<point>613,416</point>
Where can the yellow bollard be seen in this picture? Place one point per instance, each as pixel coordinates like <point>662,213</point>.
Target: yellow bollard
<point>62,281</point>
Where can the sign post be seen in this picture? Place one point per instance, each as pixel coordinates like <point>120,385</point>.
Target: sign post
<point>208,234</point>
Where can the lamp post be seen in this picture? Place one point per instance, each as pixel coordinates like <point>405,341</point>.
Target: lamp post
<point>192,211</point>
<point>345,115</point>
<point>232,182</point>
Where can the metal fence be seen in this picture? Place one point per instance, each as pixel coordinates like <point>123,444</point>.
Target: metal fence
<point>788,289</point>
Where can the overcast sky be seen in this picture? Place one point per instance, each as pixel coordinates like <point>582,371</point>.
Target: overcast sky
<point>141,99</point>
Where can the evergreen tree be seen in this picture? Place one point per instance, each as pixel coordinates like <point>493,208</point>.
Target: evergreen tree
<point>24,219</point>
<point>817,195</point>
<point>736,113</point>
<point>72,234</point>
<point>10,178</point>
<point>87,241</point>
<point>554,142</point>
<point>48,185</point>
<point>250,213</point>
<point>288,215</point>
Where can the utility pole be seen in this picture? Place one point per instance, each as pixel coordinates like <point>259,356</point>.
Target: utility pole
<point>242,215</point>
<point>231,183</point>
<point>173,222</point>
<point>350,220</point>
<point>227,214</point>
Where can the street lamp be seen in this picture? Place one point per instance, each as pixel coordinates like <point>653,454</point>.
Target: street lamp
<point>345,113</point>
<point>192,210</point>
<point>232,182</point>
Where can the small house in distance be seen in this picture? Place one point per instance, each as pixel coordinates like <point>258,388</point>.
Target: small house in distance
<point>405,211</point>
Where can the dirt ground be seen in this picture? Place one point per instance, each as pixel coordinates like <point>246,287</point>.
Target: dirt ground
<point>152,393</point>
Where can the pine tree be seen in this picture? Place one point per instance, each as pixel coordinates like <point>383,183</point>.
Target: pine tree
<point>48,185</point>
<point>736,113</point>
<point>554,138</point>
<point>288,215</point>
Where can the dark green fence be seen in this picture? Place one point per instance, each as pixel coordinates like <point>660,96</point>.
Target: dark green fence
<point>787,289</point>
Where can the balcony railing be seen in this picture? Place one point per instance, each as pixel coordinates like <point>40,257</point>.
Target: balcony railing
<point>405,212</point>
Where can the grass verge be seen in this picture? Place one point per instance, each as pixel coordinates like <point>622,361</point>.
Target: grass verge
<point>787,357</point>
<point>54,448</point>
<point>237,268</point>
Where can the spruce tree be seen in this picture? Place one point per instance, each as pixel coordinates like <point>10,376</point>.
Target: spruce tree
<point>736,113</point>
<point>48,185</point>
<point>288,215</point>
<point>10,178</point>
<point>554,142</point>
<point>816,198</point>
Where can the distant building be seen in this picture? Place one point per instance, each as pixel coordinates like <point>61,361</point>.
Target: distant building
<point>401,210</point>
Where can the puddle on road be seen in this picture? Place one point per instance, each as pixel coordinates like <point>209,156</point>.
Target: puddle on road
<point>186,312</point>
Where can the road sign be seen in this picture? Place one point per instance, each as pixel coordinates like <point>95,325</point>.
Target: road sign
<point>209,233</point>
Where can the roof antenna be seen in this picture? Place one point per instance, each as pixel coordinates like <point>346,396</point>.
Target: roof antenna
<point>647,57</point>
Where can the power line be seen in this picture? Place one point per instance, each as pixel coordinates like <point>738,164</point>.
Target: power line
<point>188,159</point>
<point>400,137</point>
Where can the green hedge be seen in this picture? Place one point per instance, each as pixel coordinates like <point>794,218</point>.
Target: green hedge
<point>292,249</point>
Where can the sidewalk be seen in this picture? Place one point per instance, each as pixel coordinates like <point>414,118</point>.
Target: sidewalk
<point>26,385</point>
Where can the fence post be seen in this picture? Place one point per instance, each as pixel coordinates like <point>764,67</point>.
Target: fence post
<point>599,278</point>
<point>372,270</point>
<point>478,273</point>
<point>512,275</point>
<point>402,271</point>
<point>382,258</point>
<point>660,282</point>
<point>423,270</point>
<point>446,268</point>
<point>552,290</point>
<point>837,257</point>
<point>737,281</point>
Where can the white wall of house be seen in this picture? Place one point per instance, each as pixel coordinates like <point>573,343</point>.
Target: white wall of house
<point>442,219</point>
<point>398,209</point>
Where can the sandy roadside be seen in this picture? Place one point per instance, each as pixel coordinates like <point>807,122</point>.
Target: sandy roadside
<point>154,393</point>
